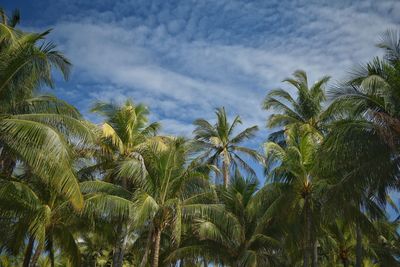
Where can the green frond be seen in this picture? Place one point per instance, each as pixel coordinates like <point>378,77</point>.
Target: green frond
<point>90,187</point>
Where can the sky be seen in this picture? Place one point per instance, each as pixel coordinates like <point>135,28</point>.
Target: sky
<point>185,58</point>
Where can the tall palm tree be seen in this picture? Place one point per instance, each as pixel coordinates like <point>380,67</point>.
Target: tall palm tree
<point>240,235</point>
<point>172,190</point>
<point>36,130</point>
<point>368,103</point>
<point>219,142</point>
<point>366,130</point>
<point>125,131</point>
<point>111,209</point>
<point>39,216</point>
<point>305,110</point>
<point>124,134</point>
<point>292,169</point>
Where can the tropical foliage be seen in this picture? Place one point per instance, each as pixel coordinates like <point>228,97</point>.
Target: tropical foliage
<point>119,193</point>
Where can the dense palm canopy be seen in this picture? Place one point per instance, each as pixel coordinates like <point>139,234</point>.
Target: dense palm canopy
<point>242,234</point>
<point>73,193</point>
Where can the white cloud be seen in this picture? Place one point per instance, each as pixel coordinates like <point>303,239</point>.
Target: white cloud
<point>184,60</point>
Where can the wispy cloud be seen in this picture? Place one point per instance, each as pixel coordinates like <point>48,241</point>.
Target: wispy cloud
<point>184,58</point>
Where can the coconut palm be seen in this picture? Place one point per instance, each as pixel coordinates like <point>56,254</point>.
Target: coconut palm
<point>171,191</point>
<point>292,169</point>
<point>36,130</point>
<point>368,103</point>
<point>123,136</point>
<point>40,217</point>
<point>125,131</point>
<point>366,130</point>
<point>110,208</point>
<point>241,234</point>
<point>305,110</point>
<point>219,142</point>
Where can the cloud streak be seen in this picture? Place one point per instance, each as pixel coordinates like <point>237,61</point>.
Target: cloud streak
<point>184,58</point>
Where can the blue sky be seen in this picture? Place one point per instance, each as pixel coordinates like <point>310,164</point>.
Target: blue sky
<point>185,58</point>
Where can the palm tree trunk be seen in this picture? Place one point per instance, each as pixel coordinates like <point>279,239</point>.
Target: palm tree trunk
<point>345,262</point>
<point>119,247</point>
<point>28,252</point>
<point>36,256</point>
<point>306,257</point>
<point>148,244</point>
<point>156,252</point>
<point>51,251</point>
<point>307,238</point>
<point>359,247</point>
<point>315,254</point>
<point>51,256</point>
<point>225,170</point>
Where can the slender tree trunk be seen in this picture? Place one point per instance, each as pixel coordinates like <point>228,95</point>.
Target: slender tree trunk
<point>156,252</point>
<point>36,256</point>
<point>359,248</point>
<point>308,245</point>
<point>28,252</point>
<point>51,253</point>
<point>119,247</point>
<point>51,256</point>
<point>205,264</point>
<point>345,262</point>
<point>306,257</point>
<point>225,170</point>
<point>148,245</point>
<point>315,254</point>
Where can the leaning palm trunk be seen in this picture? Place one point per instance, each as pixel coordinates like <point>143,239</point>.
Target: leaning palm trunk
<point>156,252</point>
<point>28,252</point>
<point>359,248</point>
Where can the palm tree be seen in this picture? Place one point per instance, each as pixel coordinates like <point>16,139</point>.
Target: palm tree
<point>369,102</point>
<point>125,131</point>
<point>36,130</point>
<point>366,128</point>
<point>39,216</point>
<point>172,190</point>
<point>292,169</point>
<point>123,136</point>
<point>339,243</point>
<point>239,235</point>
<point>218,141</point>
<point>305,110</point>
<point>111,209</point>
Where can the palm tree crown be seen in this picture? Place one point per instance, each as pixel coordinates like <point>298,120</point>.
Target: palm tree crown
<point>306,110</point>
<point>218,142</point>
